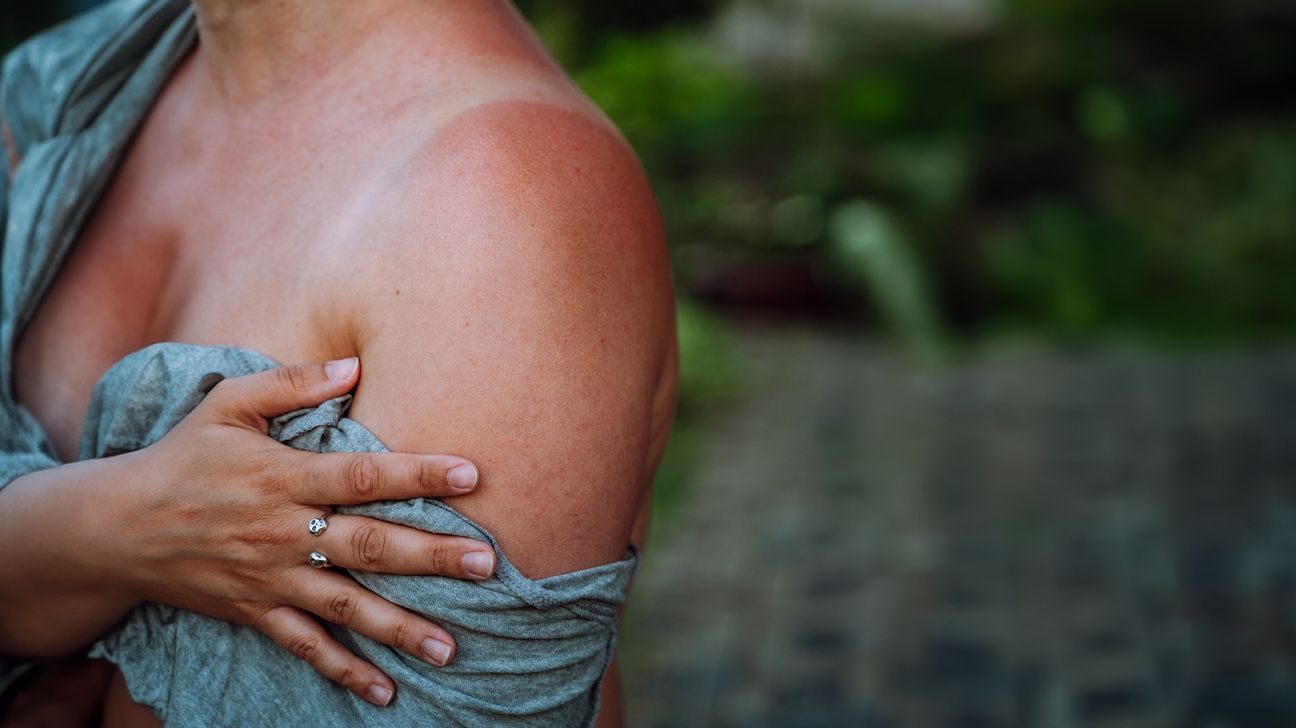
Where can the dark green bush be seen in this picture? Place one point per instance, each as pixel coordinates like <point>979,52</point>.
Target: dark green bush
<point>1072,168</point>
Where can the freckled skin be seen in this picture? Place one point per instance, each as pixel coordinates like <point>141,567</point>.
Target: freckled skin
<point>472,228</point>
<point>546,247</point>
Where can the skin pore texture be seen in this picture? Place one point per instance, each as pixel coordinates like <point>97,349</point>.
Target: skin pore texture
<point>431,195</point>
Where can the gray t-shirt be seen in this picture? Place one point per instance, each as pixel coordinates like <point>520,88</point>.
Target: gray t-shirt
<point>530,652</point>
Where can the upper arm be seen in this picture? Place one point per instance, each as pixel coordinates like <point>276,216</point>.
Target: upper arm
<point>518,313</point>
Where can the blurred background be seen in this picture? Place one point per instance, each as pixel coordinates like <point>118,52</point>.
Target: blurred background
<point>988,372</point>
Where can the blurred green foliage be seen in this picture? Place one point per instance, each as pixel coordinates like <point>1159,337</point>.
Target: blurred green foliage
<point>872,250</point>
<point>709,376</point>
<point>1071,168</point>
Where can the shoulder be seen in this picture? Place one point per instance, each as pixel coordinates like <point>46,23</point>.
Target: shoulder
<point>522,316</point>
<point>48,73</point>
<point>509,167</point>
<point>535,194</point>
<point>547,166</point>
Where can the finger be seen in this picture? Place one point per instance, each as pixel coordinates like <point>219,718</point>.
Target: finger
<point>275,391</point>
<point>307,639</point>
<point>345,603</point>
<point>350,478</point>
<point>368,544</point>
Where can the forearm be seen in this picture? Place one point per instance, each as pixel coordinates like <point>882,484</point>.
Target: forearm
<point>58,590</point>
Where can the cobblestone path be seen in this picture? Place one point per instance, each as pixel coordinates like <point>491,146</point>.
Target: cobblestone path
<point>1026,538</point>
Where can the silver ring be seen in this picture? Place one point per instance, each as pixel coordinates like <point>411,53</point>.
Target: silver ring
<point>318,560</point>
<point>318,524</point>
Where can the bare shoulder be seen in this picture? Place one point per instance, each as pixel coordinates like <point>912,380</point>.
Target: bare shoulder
<point>528,168</point>
<point>530,206</point>
<point>517,310</point>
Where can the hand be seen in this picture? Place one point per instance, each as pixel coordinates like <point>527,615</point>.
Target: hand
<point>217,525</point>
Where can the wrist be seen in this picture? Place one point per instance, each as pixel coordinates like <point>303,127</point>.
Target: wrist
<point>100,539</point>
<point>62,558</point>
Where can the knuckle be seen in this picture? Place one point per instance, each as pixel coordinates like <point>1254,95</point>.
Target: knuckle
<point>361,476</point>
<point>265,533</point>
<point>427,475</point>
<point>260,580</point>
<point>347,677</point>
<point>438,557</point>
<point>307,648</point>
<point>291,378</point>
<point>300,479</point>
<point>369,544</point>
<point>400,634</point>
<point>271,477</point>
<point>255,616</point>
<point>341,609</point>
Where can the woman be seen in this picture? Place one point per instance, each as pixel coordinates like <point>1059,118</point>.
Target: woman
<point>410,190</point>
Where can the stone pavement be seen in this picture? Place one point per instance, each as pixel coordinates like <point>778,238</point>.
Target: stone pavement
<point>1028,537</point>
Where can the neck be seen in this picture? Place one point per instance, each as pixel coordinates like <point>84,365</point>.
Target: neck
<point>253,49</point>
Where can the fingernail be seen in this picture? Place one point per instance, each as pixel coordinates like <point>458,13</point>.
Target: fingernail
<point>379,694</point>
<point>438,653</point>
<point>340,370</point>
<point>479,563</point>
<point>462,477</point>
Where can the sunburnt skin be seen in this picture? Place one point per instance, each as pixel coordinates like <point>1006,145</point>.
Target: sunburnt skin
<point>546,280</point>
<point>534,296</point>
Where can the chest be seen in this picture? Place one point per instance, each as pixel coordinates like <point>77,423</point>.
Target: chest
<point>217,251</point>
